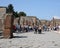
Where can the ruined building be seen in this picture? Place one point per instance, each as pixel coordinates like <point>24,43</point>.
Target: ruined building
<point>2,16</point>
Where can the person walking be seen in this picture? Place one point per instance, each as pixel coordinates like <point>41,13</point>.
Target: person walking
<point>39,29</point>
<point>35,28</point>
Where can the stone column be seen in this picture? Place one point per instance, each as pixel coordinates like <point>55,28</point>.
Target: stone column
<point>35,21</point>
<point>8,24</point>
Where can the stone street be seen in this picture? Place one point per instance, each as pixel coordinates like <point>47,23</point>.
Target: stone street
<point>30,40</point>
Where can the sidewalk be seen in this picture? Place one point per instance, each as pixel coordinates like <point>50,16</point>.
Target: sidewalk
<point>31,40</point>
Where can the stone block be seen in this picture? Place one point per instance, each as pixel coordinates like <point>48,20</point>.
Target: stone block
<point>8,24</point>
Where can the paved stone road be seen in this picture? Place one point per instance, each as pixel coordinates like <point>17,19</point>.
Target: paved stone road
<point>31,40</point>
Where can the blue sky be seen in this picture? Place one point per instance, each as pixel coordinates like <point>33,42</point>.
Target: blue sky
<point>42,9</point>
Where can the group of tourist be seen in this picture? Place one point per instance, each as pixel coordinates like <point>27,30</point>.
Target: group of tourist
<point>27,28</point>
<point>22,28</point>
<point>36,28</point>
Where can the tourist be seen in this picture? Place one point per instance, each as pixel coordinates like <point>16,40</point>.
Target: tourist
<point>39,29</point>
<point>35,28</point>
<point>26,28</point>
<point>14,28</point>
<point>18,27</point>
<point>44,27</point>
<point>30,27</point>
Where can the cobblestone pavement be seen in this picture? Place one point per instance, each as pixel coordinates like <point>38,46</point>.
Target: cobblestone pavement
<point>31,40</point>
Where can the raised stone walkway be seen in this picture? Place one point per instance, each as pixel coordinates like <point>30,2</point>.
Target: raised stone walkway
<point>31,40</point>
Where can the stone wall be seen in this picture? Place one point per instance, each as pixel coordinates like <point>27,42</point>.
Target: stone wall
<point>16,21</point>
<point>1,24</point>
<point>2,17</point>
<point>30,20</point>
<point>55,22</point>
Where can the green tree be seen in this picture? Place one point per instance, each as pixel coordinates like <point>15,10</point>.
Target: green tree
<point>10,8</point>
<point>15,14</point>
<point>22,14</point>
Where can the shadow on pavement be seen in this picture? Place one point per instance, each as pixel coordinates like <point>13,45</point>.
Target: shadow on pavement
<point>39,33</point>
<point>20,37</point>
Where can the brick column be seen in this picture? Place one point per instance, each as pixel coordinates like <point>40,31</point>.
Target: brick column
<point>8,24</point>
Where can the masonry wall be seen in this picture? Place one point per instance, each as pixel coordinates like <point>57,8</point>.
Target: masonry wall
<point>2,16</point>
<point>30,20</point>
